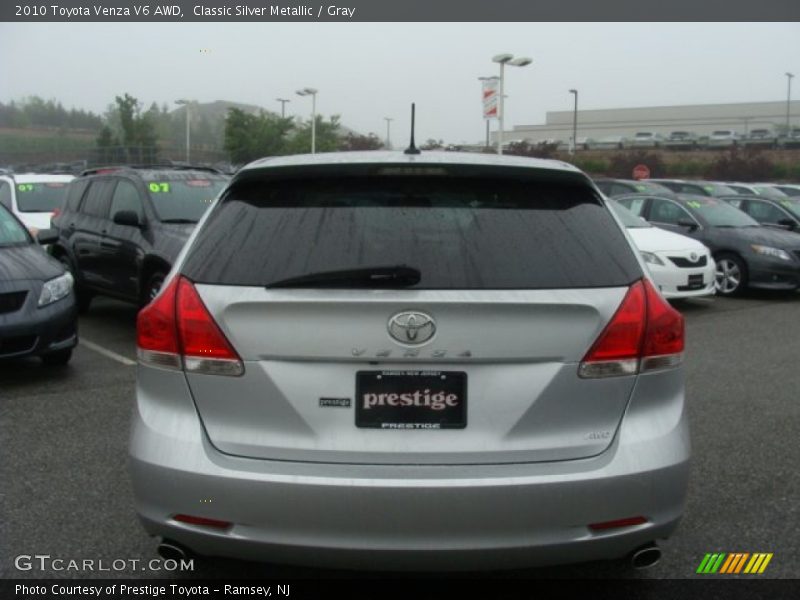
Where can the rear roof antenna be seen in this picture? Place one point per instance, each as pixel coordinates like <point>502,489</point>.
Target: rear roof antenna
<point>412,149</point>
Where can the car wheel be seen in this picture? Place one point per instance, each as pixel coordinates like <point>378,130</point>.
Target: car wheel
<point>731,276</point>
<point>57,359</point>
<point>153,287</point>
<point>82,298</point>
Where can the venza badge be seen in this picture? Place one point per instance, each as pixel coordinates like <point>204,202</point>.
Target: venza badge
<point>412,327</point>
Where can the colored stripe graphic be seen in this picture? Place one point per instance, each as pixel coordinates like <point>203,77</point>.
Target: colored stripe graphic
<point>733,563</point>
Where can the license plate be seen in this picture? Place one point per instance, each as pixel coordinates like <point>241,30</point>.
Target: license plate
<point>411,399</point>
<point>695,281</point>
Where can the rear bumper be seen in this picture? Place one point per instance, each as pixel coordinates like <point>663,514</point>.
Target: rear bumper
<point>411,517</point>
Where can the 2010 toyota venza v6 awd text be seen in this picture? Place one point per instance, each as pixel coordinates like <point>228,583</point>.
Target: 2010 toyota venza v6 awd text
<point>402,361</point>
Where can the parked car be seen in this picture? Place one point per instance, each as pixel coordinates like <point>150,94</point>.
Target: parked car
<point>756,189</point>
<point>37,303</point>
<point>681,266</point>
<point>763,138</point>
<point>681,140</point>
<point>620,187</point>
<point>792,140</point>
<point>33,197</point>
<point>776,212</point>
<point>647,139</point>
<point>410,361</point>
<point>700,188</point>
<point>723,138</point>
<point>609,142</point>
<point>746,254</point>
<point>787,188</point>
<point>122,227</point>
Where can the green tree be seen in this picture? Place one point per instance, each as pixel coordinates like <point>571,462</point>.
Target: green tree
<point>249,136</point>
<point>353,141</point>
<point>327,136</point>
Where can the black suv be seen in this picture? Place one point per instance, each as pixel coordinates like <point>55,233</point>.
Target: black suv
<point>122,228</point>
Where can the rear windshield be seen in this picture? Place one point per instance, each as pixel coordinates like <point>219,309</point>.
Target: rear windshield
<point>459,233</point>
<point>183,199</point>
<point>41,197</point>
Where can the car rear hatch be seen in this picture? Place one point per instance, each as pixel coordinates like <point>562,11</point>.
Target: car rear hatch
<point>420,317</point>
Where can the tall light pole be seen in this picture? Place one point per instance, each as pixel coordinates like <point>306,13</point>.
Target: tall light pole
<point>575,122</point>
<point>789,77</point>
<point>388,131</point>
<point>283,102</point>
<point>313,93</point>
<point>186,103</point>
<point>503,60</point>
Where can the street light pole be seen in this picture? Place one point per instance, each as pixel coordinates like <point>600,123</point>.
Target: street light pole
<point>388,130</point>
<point>283,102</point>
<point>789,77</point>
<point>504,59</point>
<point>186,103</point>
<point>575,122</point>
<point>313,93</point>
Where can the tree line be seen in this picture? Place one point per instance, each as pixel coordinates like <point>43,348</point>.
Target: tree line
<point>37,112</point>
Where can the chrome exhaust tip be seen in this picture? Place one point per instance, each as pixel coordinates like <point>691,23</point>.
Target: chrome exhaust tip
<point>171,550</point>
<point>646,556</point>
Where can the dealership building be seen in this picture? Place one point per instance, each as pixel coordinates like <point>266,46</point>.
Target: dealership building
<point>701,119</point>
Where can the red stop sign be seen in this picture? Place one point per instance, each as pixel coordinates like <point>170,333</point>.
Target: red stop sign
<point>641,172</point>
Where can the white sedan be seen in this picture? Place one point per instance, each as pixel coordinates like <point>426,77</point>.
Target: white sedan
<point>681,266</point>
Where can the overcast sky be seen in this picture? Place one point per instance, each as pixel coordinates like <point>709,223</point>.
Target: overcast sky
<point>367,71</point>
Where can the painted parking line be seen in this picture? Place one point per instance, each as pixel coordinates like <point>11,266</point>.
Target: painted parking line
<point>107,353</point>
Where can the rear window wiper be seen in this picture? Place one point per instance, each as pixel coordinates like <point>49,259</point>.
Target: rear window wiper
<point>397,276</point>
<point>180,221</point>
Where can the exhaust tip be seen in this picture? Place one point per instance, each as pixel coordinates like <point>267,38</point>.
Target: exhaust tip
<point>646,556</point>
<point>170,550</point>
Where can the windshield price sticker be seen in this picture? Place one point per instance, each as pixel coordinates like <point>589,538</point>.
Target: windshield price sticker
<point>694,204</point>
<point>25,187</point>
<point>159,188</point>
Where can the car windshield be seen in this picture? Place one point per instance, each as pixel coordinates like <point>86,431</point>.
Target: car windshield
<point>630,220</point>
<point>11,232</point>
<point>41,196</point>
<point>718,213</point>
<point>183,200</point>
<point>792,205</point>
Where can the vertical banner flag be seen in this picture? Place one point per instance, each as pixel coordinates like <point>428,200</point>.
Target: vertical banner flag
<point>490,97</point>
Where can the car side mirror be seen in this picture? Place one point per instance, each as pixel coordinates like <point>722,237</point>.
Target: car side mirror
<point>47,236</point>
<point>688,223</point>
<point>127,217</point>
<point>788,224</point>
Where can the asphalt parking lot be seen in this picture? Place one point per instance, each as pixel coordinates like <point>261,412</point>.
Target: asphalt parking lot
<point>64,434</point>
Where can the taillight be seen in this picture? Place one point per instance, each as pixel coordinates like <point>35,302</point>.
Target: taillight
<point>645,334</point>
<point>176,331</point>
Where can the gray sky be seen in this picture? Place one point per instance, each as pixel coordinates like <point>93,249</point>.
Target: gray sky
<point>367,71</point>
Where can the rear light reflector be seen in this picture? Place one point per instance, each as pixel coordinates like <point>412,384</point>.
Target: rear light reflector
<point>645,334</point>
<point>203,521</point>
<point>176,331</point>
<point>617,524</point>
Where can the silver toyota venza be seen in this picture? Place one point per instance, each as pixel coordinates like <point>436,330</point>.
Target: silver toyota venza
<point>410,361</point>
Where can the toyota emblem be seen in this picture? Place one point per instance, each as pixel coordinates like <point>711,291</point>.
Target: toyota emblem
<point>412,327</point>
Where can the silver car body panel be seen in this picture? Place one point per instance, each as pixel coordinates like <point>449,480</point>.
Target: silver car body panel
<point>300,483</point>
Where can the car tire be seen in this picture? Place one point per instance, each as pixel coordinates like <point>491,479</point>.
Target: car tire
<point>731,275</point>
<point>154,283</point>
<point>83,299</point>
<point>57,359</point>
